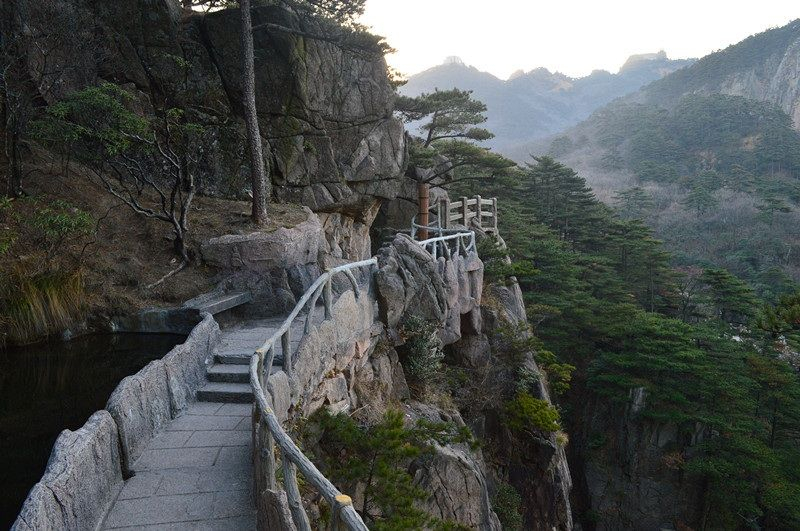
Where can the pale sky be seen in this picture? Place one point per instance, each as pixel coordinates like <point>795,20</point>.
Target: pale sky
<point>570,36</point>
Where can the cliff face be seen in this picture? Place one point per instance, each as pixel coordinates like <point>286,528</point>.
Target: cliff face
<point>628,469</point>
<point>471,313</point>
<point>325,110</point>
<point>764,67</point>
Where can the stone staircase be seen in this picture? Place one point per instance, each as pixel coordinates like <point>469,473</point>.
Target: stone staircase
<point>228,379</point>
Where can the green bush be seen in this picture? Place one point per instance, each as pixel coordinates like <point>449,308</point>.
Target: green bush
<point>376,458</point>
<point>525,413</point>
<point>507,505</point>
<point>423,351</point>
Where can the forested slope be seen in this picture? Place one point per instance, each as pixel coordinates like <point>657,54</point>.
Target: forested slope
<point>709,157</point>
<point>681,408</point>
<point>716,177</point>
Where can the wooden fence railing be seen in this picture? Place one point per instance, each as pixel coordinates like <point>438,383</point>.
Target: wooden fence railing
<point>446,214</point>
<point>464,210</point>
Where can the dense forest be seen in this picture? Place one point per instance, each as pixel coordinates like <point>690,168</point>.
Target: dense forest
<point>695,349</point>
<point>715,176</point>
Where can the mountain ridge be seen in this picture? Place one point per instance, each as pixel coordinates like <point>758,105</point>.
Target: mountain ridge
<point>536,103</point>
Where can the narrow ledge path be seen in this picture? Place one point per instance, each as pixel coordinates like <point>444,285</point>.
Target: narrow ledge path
<point>197,474</point>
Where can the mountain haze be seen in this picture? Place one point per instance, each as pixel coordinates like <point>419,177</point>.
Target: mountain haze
<point>534,104</point>
<point>709,156</point>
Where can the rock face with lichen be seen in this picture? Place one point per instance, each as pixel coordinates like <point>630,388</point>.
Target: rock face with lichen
<point>325,110</point>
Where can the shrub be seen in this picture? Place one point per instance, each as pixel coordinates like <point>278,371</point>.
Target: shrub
<point>40,305</point>
<point>507,505</point>
<point>377,458</point>
<point>525,413</point>
<point>497,267</point>
<point>423,360</point>
<point>516,343</point>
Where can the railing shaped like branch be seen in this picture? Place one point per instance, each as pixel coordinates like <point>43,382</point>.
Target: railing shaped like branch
<point>292,458</point>
<point>446,213</point>
<point>460,243</point>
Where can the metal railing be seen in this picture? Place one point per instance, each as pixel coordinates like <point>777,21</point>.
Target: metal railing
<point>292,457</point>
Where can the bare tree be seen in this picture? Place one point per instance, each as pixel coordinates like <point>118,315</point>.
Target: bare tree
<point>148,164</point>
<point>258,172</point>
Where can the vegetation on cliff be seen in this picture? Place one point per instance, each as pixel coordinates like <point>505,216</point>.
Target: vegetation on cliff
<point>605,300</point>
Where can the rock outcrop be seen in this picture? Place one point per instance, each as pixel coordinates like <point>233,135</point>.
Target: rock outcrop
<point>325,109</point>
<point>630,466</point>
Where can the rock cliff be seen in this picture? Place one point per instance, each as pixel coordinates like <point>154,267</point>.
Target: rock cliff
<point>325,110</point>
<point>763,67</point>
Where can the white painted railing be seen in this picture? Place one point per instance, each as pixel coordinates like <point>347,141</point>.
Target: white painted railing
<point>462,242</point>
<point>292,457</point>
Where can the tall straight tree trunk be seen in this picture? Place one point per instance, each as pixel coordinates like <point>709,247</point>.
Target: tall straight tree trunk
<point>258,172</point>
<point>423,193</point>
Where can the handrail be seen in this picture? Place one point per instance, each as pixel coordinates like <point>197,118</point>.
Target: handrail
<point>434,243</point>
<point>462,210</point>
<point>434,226</point>
<point>293,457</point>
<point>261,362</point>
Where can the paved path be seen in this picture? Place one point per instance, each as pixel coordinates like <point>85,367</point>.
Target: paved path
<point>198,473</point>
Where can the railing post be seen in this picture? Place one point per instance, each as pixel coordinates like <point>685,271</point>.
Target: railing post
<point>286,347</point>
<point>465,211</point>
<point>439,218</point>
<point>340,502</point>
<point>494,215</point>
<point>445,203</point>
<point>327,298</point>
<point>299,515</point>
<point>478,210</point>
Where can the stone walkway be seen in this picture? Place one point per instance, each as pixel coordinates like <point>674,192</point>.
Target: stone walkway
<point>198,473</point>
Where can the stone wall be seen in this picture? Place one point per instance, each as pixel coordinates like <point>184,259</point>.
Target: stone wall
<point>86,467</point>
<point>82,479</point>
<point>142,404</point>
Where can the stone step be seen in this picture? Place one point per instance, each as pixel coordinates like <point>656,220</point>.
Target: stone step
<point>241,358</point>
<point>240,393</point>
<point>220,302</point>
<point>233,373</point>
<point>222,372</point>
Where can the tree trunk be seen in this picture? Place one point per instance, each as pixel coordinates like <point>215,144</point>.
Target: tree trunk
<point>14,185</point>
<point>423,193</point>
<point>258,172</point>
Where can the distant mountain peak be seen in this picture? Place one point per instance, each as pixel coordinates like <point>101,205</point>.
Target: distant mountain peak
<point>453,60</point>
<point>637,59</point>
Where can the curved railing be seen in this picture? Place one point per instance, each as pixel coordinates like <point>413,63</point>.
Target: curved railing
<point>434,227</point>
<point>458,243</point>
<point>292,457</point>
<point>463,242</point>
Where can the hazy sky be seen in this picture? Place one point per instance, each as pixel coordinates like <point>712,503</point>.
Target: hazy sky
<point>570,36</point>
